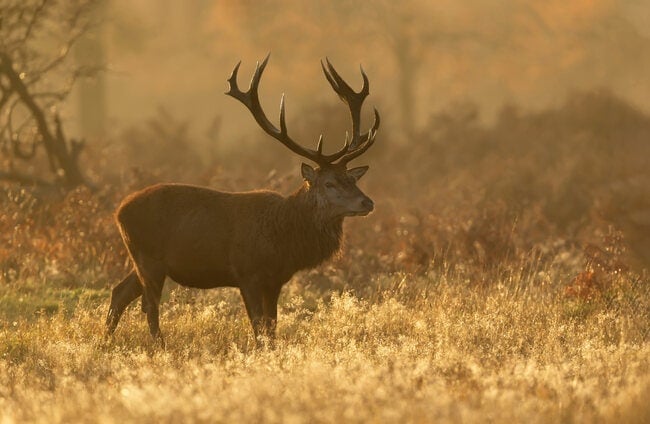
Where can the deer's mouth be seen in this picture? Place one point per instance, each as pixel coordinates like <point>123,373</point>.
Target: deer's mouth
<point>362,212</point>
<point>355,213</point>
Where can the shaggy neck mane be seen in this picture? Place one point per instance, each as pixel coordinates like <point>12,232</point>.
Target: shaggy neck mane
<point>312,236</point>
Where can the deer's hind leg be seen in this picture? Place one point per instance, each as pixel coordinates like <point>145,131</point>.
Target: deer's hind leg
<point>151,273</point>
<point>123,294</point>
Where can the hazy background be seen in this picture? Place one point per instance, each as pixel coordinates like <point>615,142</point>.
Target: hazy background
<point>421,56</point>
<point>512,132</point>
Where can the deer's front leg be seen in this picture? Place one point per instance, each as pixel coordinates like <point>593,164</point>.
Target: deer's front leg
<point>270,309</point>
<point>261,305</point>
<point>253,300</point>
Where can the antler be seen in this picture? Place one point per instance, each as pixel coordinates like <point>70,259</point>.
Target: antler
<point>350,149</point>
<point>353,99</point>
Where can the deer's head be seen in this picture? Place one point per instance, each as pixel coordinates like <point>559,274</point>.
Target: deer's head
<point>331,182</point>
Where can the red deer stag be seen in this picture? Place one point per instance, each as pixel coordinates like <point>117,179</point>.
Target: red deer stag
<point>204,238</point>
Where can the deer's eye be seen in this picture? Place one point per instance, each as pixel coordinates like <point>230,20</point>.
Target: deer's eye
<point>329,184</point>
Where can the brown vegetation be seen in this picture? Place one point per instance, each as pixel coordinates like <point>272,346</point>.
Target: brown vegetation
<point>533,185</point>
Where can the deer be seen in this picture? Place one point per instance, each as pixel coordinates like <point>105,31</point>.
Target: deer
<point>256,240</point>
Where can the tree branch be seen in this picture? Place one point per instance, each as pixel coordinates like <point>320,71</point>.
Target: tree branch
<point>32,21</point>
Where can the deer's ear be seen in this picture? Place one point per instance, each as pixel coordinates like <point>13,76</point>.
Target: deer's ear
<point>308,173</point>
<point>357,173</point>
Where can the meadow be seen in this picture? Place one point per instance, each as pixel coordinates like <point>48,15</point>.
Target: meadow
<point>501,279</point>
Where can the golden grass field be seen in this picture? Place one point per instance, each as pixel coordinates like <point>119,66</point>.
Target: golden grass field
<point>432,349</point>
<point>492,284</point>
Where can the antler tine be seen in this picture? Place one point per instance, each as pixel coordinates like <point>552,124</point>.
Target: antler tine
<point>233,88</point>
<point>341,87</point>
<point>369,140</point>
<point>250,98</point>
<point>374,128</point>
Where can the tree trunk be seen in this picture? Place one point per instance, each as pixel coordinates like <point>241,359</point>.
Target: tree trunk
<point>407,66</point>
<point>90,52</point>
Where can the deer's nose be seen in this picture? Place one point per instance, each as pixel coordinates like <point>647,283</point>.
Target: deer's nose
<point>368,204</point>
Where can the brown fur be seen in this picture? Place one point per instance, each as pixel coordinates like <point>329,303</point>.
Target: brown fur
<point>205,238</point>
<point>232,236</point>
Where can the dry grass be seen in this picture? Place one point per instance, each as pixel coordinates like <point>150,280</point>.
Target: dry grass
<point>434,349</point>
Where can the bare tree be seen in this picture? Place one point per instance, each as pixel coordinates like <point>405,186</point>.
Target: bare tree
<point>36,37</point>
